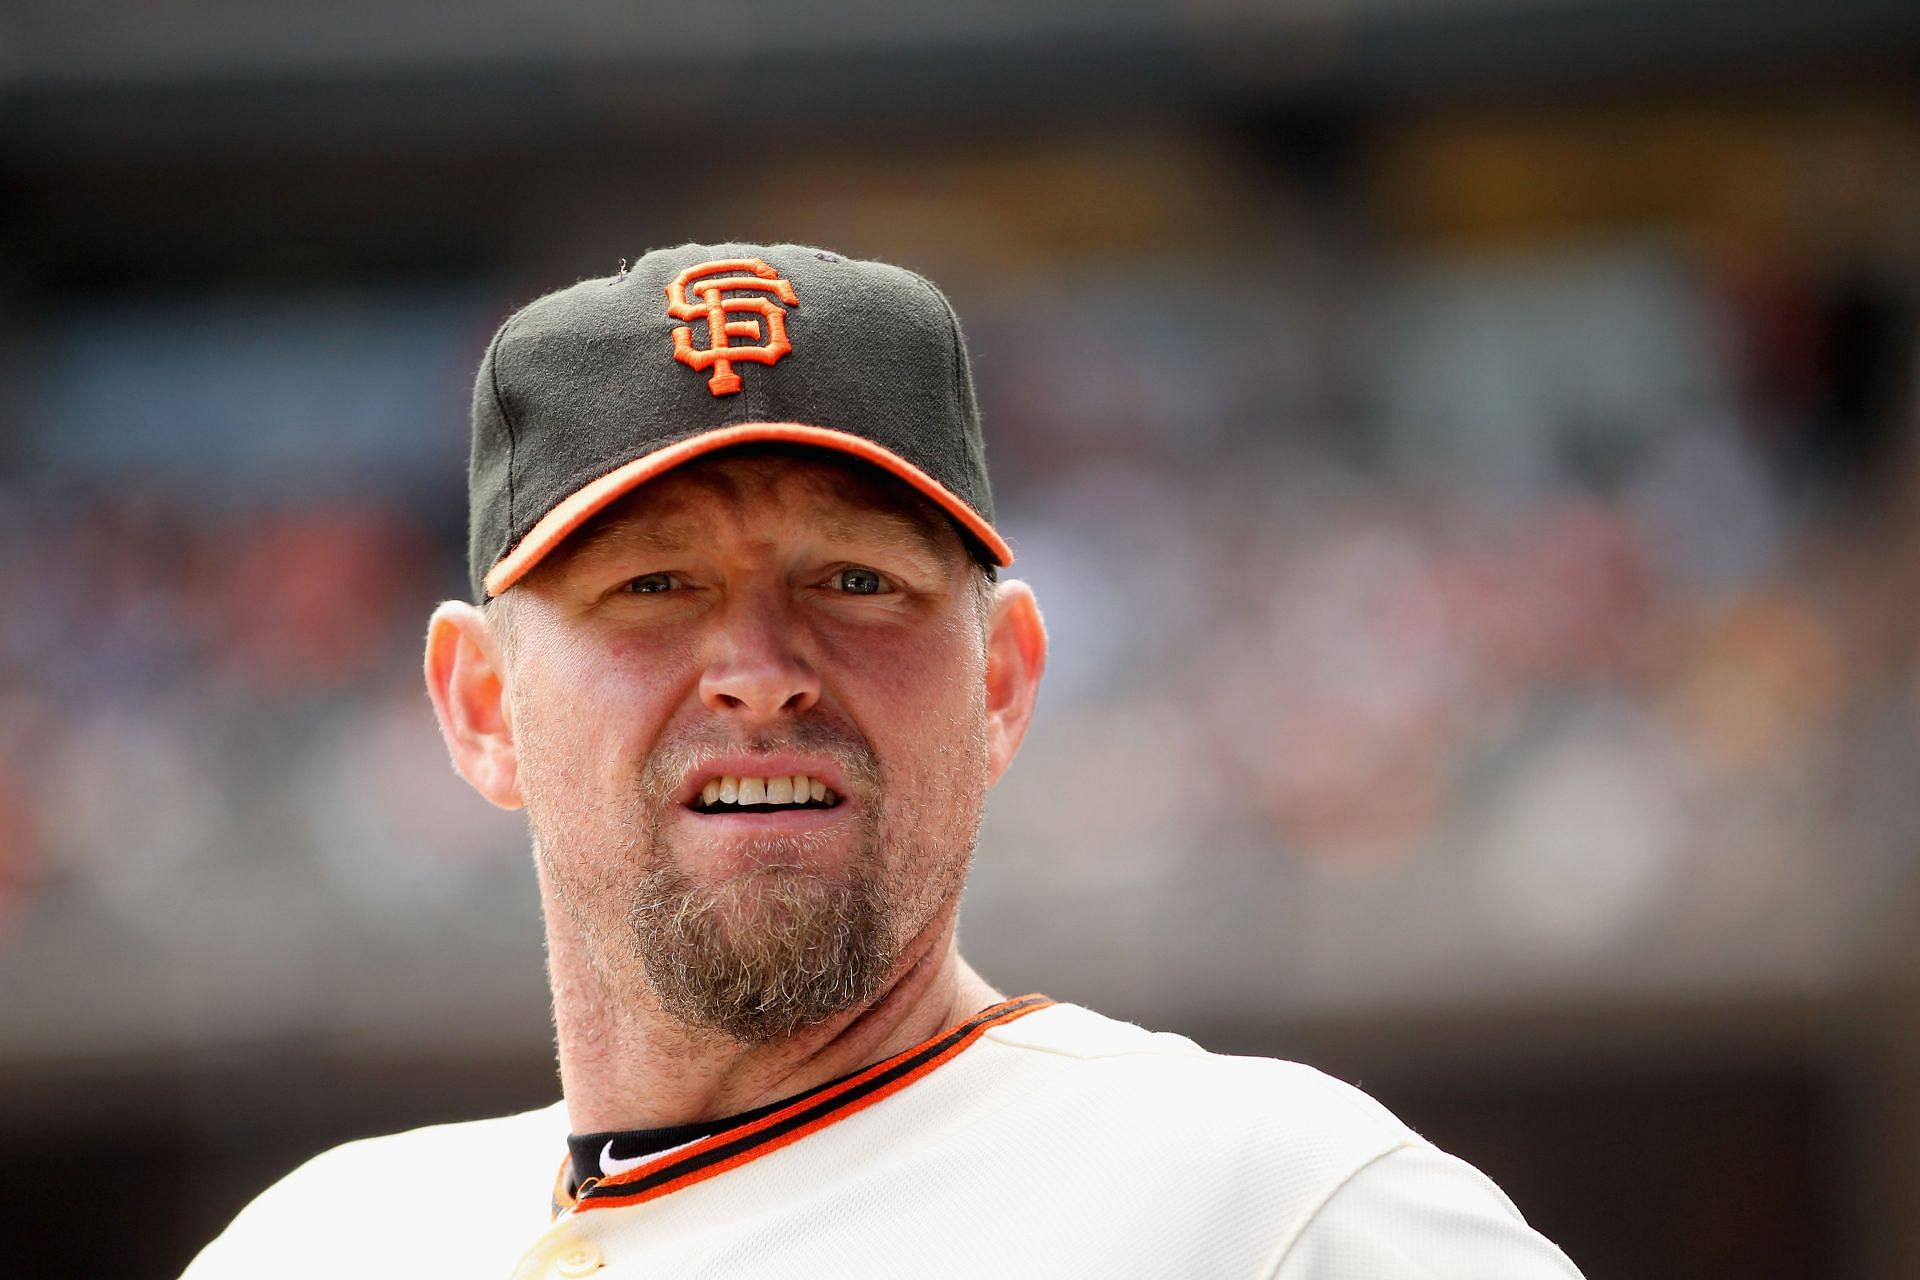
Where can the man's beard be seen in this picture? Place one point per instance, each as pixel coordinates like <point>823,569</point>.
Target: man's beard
<point>761,957</point>
<point>755,957</point>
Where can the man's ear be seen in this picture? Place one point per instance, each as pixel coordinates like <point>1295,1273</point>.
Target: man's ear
<point>1016,659</point>
<point>466,680</point>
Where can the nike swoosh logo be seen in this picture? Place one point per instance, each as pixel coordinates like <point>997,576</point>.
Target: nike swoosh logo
<point>610,1166</point>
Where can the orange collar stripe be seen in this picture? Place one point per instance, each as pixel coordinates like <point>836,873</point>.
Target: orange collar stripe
<point>732,1148</point>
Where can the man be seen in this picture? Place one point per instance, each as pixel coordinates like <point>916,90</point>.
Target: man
<point>743,659</point>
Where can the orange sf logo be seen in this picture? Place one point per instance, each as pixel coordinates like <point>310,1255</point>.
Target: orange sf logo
<point>711,304</point>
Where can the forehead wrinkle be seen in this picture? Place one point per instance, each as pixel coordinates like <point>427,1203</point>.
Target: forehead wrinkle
<point>850,504</point>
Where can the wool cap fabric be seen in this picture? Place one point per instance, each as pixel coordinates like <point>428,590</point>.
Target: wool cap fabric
<point>588,392</point>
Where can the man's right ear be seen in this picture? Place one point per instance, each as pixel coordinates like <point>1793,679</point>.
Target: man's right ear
<point>466,680</point>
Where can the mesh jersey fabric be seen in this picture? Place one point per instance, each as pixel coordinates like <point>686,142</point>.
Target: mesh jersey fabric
<point>1060,1144</point>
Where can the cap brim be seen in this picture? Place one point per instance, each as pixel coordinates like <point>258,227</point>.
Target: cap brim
<point>589,499</point>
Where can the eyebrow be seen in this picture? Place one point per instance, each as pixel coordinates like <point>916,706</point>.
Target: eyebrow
<point>602,534</point>
<point>886,527</point>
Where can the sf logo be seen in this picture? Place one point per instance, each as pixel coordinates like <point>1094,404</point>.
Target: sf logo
<point>710,303</point>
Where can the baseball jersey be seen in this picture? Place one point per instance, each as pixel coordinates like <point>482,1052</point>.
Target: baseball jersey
<point>1035,1139</point>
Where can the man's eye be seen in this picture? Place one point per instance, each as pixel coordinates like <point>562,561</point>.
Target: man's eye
<point>650,583</point>
<point>859,582</point>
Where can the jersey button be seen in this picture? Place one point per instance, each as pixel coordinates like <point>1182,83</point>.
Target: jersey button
<point>577,1260</point>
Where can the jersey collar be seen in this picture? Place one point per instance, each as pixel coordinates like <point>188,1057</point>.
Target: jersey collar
<point>809,1113</point>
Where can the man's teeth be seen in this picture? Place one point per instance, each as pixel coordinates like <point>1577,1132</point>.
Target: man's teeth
<point>792,788</point>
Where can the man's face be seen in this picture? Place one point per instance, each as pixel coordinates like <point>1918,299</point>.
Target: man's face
<point>741,621</point>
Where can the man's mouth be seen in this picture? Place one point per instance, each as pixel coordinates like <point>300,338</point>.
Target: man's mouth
<point>734,794</point>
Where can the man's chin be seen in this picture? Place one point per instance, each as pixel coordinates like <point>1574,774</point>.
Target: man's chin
<point>764,954</point>
<point>769,902</point>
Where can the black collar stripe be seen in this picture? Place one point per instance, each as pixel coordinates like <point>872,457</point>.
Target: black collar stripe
<point>734,1147</point>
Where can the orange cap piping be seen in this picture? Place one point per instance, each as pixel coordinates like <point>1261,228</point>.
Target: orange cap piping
<point>589,499</point>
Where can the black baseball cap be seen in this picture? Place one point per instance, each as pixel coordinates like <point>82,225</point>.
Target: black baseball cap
<point>588,392</point>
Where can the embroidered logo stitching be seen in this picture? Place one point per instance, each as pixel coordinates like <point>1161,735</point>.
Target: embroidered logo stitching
<point>711,303</point>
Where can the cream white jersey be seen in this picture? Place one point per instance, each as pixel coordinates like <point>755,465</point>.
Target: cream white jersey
<point>1036,1139</point>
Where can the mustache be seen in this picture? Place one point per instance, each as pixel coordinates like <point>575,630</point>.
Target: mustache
<point>695,748</point>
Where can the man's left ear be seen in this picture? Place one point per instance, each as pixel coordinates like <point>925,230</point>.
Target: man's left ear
<point>1016,659</point>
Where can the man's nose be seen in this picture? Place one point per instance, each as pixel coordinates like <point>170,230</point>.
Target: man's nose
<point>756,666</point>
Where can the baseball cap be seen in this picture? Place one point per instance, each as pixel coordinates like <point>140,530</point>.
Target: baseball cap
<point>591,391</point>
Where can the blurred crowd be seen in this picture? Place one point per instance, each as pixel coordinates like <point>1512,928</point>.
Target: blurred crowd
<point>1560,607</point>
<point>1564,597</point>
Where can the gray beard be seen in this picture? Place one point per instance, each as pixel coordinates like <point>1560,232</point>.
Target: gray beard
<point>755,958</point>
<point>760,958</point>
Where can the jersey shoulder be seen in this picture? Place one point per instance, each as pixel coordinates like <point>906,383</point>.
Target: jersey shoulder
<point>1286,1164</point>
<point>1244,1094</point>
<point>350,1210</point>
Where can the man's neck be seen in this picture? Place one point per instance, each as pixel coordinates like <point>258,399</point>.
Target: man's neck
<point>626,1067</point>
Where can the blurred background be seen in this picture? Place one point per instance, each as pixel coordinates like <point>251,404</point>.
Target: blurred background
<point>1465,451</point>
